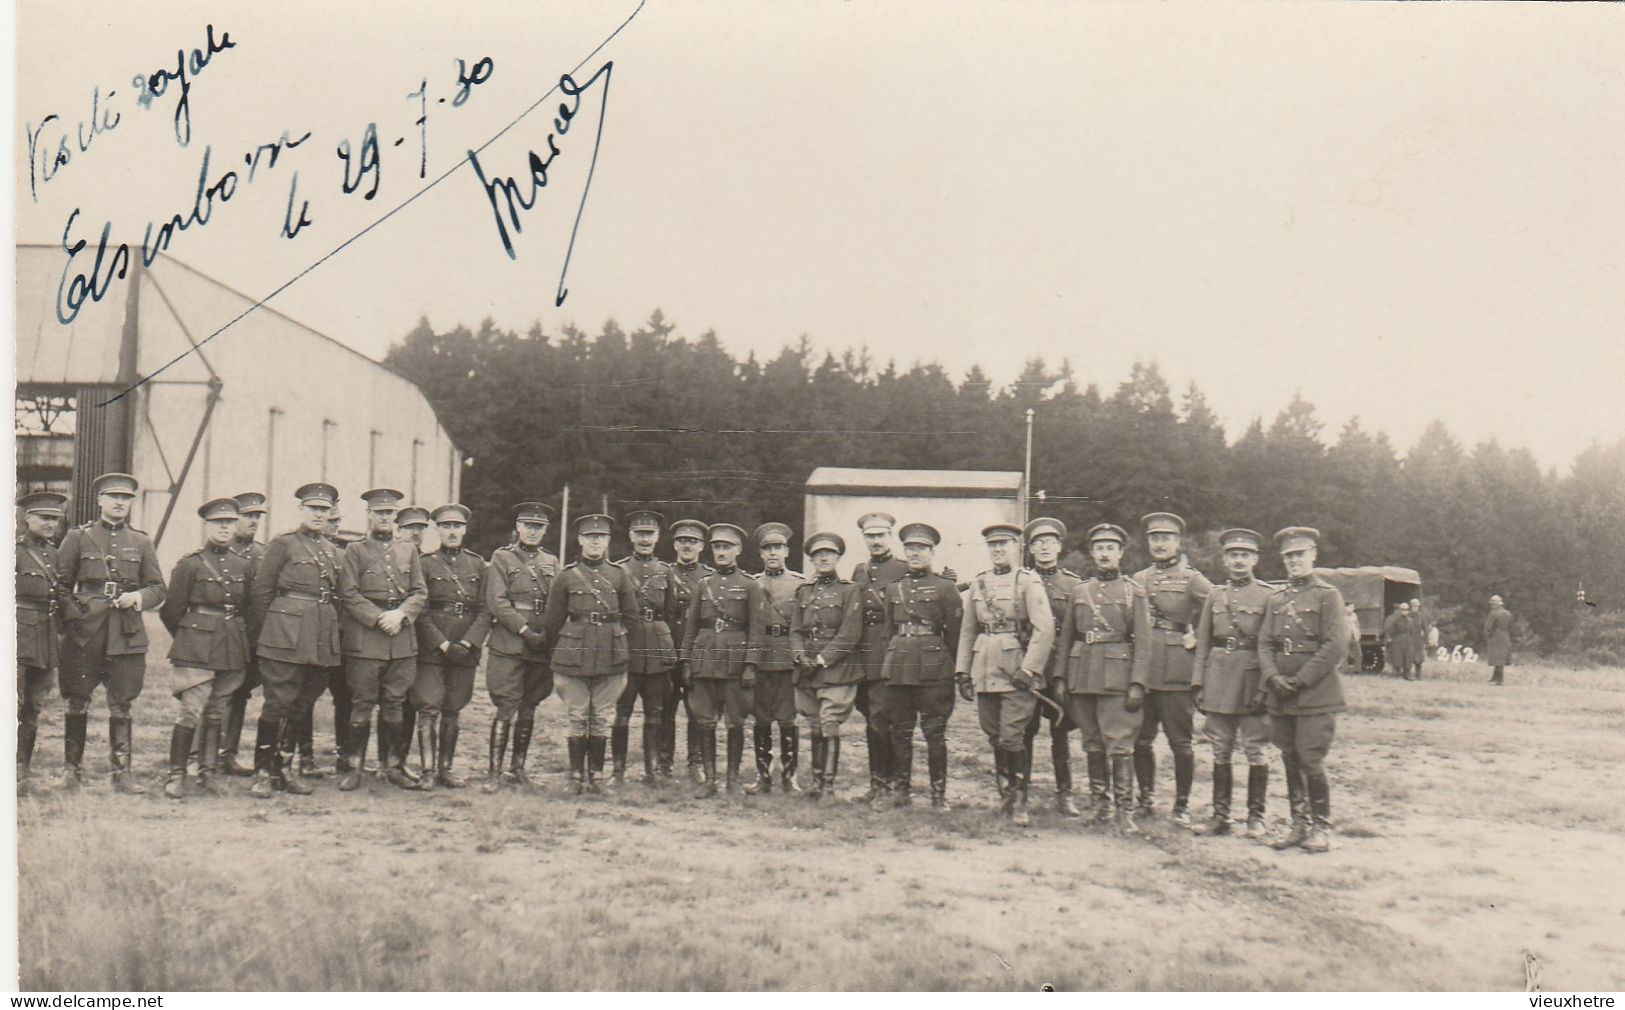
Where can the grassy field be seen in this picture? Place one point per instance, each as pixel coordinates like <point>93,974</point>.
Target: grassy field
<point>1474,823</point>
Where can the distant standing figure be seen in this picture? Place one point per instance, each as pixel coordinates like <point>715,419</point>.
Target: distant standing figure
<point>1498,640</point>
<point>1419,638</point>
<point>1396,640</point>
<point>1356,654</point>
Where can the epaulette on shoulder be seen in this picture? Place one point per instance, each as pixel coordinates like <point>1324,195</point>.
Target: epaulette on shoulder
<point>1068,571</point>
<point>617,564</point>
<point>754,575</point>
<point>624,560</point>
<point>132,529</point>
<point>797,575</point>
<point>191,554</point>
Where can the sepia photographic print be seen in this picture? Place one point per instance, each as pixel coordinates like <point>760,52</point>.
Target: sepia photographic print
<point>1119,498</point>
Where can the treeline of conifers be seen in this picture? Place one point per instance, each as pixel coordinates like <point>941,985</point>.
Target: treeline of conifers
<point>653,419</point>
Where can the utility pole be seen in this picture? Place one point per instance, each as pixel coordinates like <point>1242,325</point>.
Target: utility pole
<point>564,521</point>
<point>1027,470</point>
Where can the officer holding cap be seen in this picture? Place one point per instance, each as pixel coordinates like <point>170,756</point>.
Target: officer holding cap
<point>825,630</point>
<point>112,573</point>
<point>873,575</point>
<point>586,617</point>
<point>687,542</point>
<point>774,697</point>
<point>923,615</point>
<point>652,637</point>
<point>293,618</point>
<point>450,633</point>
<point>517,677</point>
<point>1226,679</point>
<point>721,649</point>
<point>39,602</point>
<point>205,611</point>
<point>1004,646</point>
<point>1045,539</point>
<point>1301,652</point>
<point>1102,671</point>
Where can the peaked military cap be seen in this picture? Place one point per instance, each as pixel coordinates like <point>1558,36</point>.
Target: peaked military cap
<point>453,513</point>
<point>412,515</point>
<point>250,503</point>
<point>318,494</point>
<point>1243,539</point>
<point>43,503</point>
<point>115,483</point>
<point>1045,526</point>
<point>219,508</point>
<point>532,512</point>
<point>876,522</point>
<point>382,498</point>
<point>645,519</point>
<point>1297,538</point>
<point>772,533</point>
<point>594,522</point>
<point>824,542</point>
<point>1163,522</point>
<point>1001,531</point>
<point>726,533</point>
<point>690,528</point>
<point>1108,531</point>
<point>919,533</point>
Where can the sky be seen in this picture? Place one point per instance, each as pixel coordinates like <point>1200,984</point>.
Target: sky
<point>1404,212</point>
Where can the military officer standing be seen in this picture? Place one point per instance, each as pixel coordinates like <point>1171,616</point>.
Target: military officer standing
<point>687,541</point>
<point>1497,640</point>
<point>1174,592</point>
<point>244,543</point>
<point>411,522</point>
<point>1004,646</point>
<point>1226,679</point>
<point>721,648</point>
<point>825,630</point>
<point>774,697</point>
<point>383,593</point>
<point>1102,672</point>
<point>1301,655</point>
<point>205,611</point>
<point>450,634</point>
<point>1045,538</point>
<point>294,621</point>
<point>652,640</point>
<point>517,676</point>
<point>923,615</point>
<point>112,572</point>
<point>587,613</point>
<point>1419,639</point>
<point>39,599</point>
<point>337,685</point>
<point>880,570</point>
<point>1397,640</point>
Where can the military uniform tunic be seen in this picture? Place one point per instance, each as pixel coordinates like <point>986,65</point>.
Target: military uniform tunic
<point>1099,657</point>
<point>1227,670</point>
<point>588,609</point>
<point>1008,627</point>
<point>206,612</point>
<point>827,626</point>
<point>96,563</point>
<point>723,633</point>
<point>1303,638</point>
<point>1399,644</point>
<point>38,602</point>
<point>293,614</point>
<point>1058,586</point>
<point>517,583</point>
<point>1174,594</point>
<point>652,638</point>
<point>456,612</point>
<point>874,576</point>
<point>377,576</point>
<point>254,552</point>
<point>774,697</point>
<point>923,615</point>
<point>685,580</point>
<point>1497,638</point>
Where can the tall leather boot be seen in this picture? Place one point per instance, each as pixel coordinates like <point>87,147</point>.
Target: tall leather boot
<point>706,739</point>
<point>666,753</point>
<point>936,766</point>
<point>577,748</point>
<point>356,738</point>
<point>180,745</point>
<point>208,755</point>
<point>620,738</point>
<point>1123,778</point>
<point>1184,776</point>
<point>761,734</point>
<point>522,730</point>
<point>877,784</point>
<point>500,728</point>
<point>428,732</point>
<point>450,729</point>
<point>341,737</point>
<point>1297,797</point>
<point>391,744</point>
<point>73,748</point>
<point>832,762</point>
<point>817,749</point>
<point>789,755</point>
<point>651,752</point>
<point>696,756</point>
<point>1001,778</point>
<point>1320,813</point>
<point>1060,755</point>
<point>736,756</point>
<point>1145,773</point>
<point>287,744</point>
<point>26,736</point>
<point>120,749</point>
<point>308,766</point>
<point>231,737</point>
<point>1258,787</point>
<point>596,745</point>
<point>409,726</point>
<point>1021,763</point>
<point>902,771</point>
<point>1218,822</point>
<point>1100,786</point>
<point>264,784</point>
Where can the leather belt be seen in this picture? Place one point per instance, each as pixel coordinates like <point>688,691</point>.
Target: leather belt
<point>388,602</point>
<point>1163,624</point>
<point>1246,643</point>
<point>457,608</point>
<point>1289,646</point>
<point>999,629</point>
<point>721,624</point>
<point>817,632</point>
<point>647,615</point>
<point>325,596</point>
<point>777,630</point>
<point>43,606</point>
<point>916,629</point>
<point>593,618</point>
<point>107,590</point>
<point>1093,637</point>
<point>218,610</point>
<point>529,605</point>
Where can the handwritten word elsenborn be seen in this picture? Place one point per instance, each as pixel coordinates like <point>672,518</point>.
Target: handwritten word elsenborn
<point>509,187</point>
<point>75,289</point>
<point>150,87</point>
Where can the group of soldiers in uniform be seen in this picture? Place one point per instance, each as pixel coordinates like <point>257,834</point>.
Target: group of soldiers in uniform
<point>1405,639</point>
<point>387,628</point>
